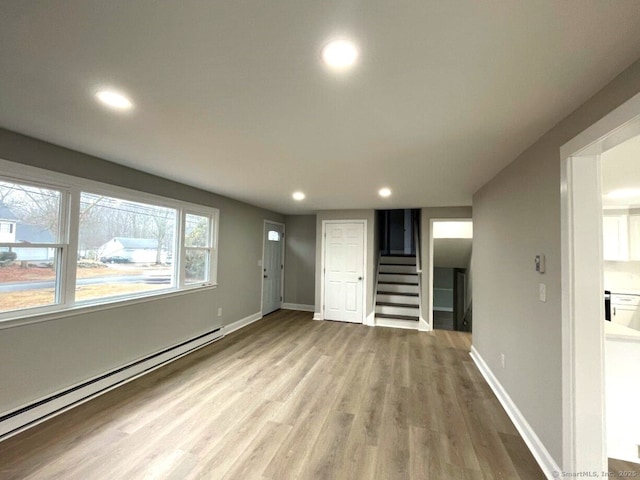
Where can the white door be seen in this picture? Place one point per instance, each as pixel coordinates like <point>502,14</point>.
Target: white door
<point>272,267</point>
<point>344,272</point>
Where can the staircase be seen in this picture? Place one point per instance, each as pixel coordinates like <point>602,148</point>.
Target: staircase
<point>397,292</point>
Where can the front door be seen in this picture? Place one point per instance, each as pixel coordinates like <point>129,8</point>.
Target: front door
<point>344,272</point>
<point>272,267</point>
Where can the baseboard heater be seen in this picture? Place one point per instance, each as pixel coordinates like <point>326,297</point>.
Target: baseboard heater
<point>30,415</point>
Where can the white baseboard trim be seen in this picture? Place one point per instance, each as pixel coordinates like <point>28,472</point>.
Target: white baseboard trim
<point>243,322</point>
<point>537,448</point>
<point>423,325</point>
<point>27,416</point>
<point>298,306</point>
<point>370,320</point>
<point>318,316</point>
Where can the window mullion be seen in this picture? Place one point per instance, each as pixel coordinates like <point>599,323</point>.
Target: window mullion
<point>181,249</point>
<point>71,221</point>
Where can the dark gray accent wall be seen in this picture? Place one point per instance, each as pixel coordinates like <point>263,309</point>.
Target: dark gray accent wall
<point>300,259</point>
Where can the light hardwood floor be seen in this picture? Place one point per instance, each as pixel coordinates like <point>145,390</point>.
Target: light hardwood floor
<point>289,398</point>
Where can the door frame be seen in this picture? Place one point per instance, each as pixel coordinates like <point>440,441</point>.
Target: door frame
<point>430,258</point>
<point>365,276</point>
<point>264,237</point>
<point>583,338</point>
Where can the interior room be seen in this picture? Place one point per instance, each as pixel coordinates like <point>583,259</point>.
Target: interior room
<point>319,239</point>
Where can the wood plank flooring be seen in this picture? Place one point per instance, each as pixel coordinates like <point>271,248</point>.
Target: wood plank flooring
<point>289,398</point>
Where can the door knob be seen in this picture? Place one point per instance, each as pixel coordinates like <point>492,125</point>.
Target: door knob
<point>266,276</point>
<point>359,278</point>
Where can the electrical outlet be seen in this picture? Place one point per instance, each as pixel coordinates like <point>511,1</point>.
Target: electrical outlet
<point>220,311</point>
<point>502,360</point>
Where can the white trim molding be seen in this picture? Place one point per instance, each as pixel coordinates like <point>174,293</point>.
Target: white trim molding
<point>243,322</point>
<point>370,320</point>
<point>318,316</point>
<point>583,412</point>
<point>548,465</point>
<point>423,325</point>
<point>298,306</point>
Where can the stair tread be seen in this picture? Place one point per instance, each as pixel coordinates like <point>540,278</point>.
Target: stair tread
<point>398,317</point>
<point>404,294</point>
<point>398,273</point>
<point>398,255</point>
<point>398,283</point>
<point>382,264</point>
<point>390,304</point>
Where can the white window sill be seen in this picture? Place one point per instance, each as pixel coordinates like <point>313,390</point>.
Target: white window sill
<point>28,319</point>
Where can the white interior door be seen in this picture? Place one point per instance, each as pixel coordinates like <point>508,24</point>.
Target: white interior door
<point>344,272</point>
<point>272,267</point>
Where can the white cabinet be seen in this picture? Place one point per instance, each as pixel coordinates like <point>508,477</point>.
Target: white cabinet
<point>615,240</point>
<point>634,237</point>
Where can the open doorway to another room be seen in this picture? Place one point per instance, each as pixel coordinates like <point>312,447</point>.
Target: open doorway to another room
<point>451,268</point>
<point>601,293</point>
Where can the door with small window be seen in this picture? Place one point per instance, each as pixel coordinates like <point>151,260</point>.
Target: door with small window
<point>272,267</point>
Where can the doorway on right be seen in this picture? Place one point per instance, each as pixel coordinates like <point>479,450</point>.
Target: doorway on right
<point>451,286</point>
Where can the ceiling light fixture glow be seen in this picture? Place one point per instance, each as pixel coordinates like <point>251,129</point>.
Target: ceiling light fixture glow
<point>384,192</point>
<point>624,193</point>
<point>114,100</point>
<point>340,54</point>
<point>298,196</point>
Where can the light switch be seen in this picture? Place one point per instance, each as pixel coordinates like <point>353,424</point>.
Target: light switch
<point>542,291</point>
<point>539,261</point>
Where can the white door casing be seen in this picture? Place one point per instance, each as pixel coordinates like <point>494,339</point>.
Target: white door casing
<point>344,271</point>
<point>584,445</point>
<point>272,267</point>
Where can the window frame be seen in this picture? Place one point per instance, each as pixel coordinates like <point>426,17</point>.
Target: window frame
<point>71,189</point>
<point>212,249</point>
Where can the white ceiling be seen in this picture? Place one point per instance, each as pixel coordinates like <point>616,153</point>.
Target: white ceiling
<point>232,97</point>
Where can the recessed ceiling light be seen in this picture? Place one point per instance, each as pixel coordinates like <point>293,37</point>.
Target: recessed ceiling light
<point>384,192</point>
<point>298,196</point>
<point>114,100</point>
<point>340,54</point>
<point>624,193</point>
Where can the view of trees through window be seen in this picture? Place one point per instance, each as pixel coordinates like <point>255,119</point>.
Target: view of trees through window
<point>124,247</point>
<point>29,245</point>
<point>128,245</point>
<point>197,246</point>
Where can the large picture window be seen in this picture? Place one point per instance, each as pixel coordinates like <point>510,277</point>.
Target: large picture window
<point>83,244</point>
<point>124,247</point>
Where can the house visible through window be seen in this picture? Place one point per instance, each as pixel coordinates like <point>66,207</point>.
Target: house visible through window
<point>31,245</point>
<point>127,247</point>
<point>119,244</point>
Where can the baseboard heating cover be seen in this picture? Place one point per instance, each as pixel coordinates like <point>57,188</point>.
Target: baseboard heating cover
<point>36,412</point>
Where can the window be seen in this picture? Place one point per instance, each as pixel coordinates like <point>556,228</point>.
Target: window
<point>125,245</point>
<point>197,241</point>
<point>118,245</point>
<point>31,246</point>
<point>273,236</point>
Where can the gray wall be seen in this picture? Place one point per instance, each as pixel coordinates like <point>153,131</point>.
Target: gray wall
<point>371,254</point>
<point>41,358</point>
<point>442,288</point>
<point>300,259</point>
<point>517,215</point>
